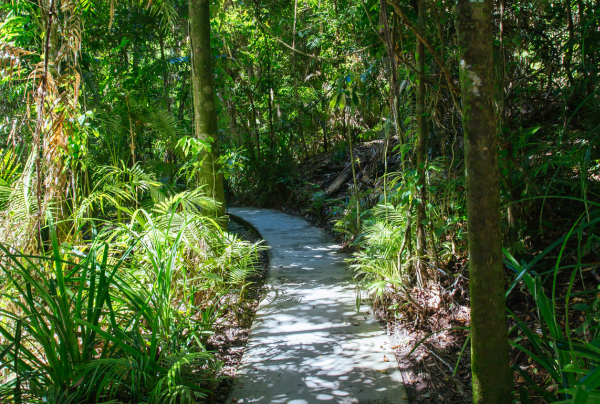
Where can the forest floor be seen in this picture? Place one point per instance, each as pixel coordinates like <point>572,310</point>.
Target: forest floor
<point>438,370</point>
<point>231,333</point>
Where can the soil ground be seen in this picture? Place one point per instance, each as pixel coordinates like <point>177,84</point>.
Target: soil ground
<point>231,334</point>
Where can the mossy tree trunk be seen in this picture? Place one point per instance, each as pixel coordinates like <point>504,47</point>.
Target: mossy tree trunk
<point>492,376</point>
<point>205,113</point>
<point>421,140</point>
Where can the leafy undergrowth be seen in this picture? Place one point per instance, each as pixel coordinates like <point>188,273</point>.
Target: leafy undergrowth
<point>128,315</point>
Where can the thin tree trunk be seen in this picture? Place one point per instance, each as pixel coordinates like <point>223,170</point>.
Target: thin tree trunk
<point>205,114</point>
<point>131,133</point>
<point>389,46</point>
<point>161,42</point>
<point>302,139</point>
<point>421,138</point>
<point>569,52</point>
<point>255,127</point>
<point>492,376</point>
<point>353,175</point>
<point>183,98</point>
<point>38,134</point>
<point>440,28</point>
<point>513,232</point>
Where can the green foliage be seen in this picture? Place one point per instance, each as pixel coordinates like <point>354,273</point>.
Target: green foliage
<point>384,260</point>
<point>122,320</point>
<point>110,164</point>
<point>570,356</point>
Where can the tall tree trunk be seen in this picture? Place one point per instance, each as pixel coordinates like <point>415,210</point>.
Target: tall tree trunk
<point>165,74</point>
<point>298,119</point>
<point>513,232</point>
<point>569,52</point>
<point>38,136</point>
<point>205,113</point>
<point>271,98</point>
<point>492,376</point>
<point>421,138</point>
<point>389,46</point>
<point>356,192</point>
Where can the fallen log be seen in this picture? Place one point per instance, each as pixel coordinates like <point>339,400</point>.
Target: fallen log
<point>329,169</point>
<point>337,184</point>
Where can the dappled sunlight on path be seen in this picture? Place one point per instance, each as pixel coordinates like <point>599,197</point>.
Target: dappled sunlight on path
<point>308,344</point>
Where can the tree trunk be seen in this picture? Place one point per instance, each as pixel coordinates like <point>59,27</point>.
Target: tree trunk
<point>569,52</point>
<point>356,192</point>
<point>513,231</point>
<point>389,46</point>
<point>165,74</point>
<point>298,119</point>
<point>492,376</point>
<point>421,138</point>
<point>205,114</point>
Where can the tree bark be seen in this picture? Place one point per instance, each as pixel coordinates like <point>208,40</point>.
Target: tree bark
<point>205,113</point>
<point>492,376</point>
<point>298,119</point>
<point>165,74</point>
<point>421,138</point>
<point>389,46</point>
<point>356,192</point>
<point>569,52</point>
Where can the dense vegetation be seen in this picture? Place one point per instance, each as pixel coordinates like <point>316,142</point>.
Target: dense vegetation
<point>116,263</point>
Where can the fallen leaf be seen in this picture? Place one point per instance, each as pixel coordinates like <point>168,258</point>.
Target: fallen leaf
<point>385,359</point>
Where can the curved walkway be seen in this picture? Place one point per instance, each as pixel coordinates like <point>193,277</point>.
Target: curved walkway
<point>308,344</point>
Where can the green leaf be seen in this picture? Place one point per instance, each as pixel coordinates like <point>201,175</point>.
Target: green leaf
<point>580,306</point>
<point>376,108</point>
<point>333,102</point>
<point>343,102</point>
<point>581,395</point>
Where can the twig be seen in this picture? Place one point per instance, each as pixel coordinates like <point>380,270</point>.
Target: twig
<point>459,385</point>
<point>439,269</point>
<point>440,359</point>
<point>409,297</point>
<point>313,56</point>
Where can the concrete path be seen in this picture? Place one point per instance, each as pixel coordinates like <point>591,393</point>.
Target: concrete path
<point>308,344</point>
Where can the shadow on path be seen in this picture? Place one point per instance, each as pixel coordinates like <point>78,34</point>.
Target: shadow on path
<point>308,344</point>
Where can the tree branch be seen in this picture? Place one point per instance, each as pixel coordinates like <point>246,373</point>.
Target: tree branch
<point>313,56</point>
<point>439,61</point>
<point>404,61</point>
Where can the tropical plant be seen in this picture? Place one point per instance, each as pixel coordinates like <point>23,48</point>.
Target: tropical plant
<point>564,347</point>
